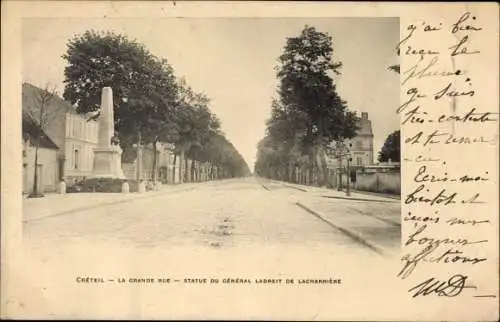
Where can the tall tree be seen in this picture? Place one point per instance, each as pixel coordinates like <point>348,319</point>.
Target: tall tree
<point>194,123</point>
<point>144,87</point>
<point>391,148</point>
<point>309,114</point>
<point>150,104</point>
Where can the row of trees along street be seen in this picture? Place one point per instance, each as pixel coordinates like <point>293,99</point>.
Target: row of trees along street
<point>151,104</point>
<point>308,119</point>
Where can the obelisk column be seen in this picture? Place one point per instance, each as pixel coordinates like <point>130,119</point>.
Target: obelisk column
<point>106,121</point>
<point>107,157</point>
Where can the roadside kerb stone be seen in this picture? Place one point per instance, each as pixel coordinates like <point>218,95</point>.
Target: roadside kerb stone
<point>121,198</point>
<point>330,193</point>
<point>352,234</point>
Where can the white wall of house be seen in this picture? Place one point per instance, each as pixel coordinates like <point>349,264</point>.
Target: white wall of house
<point>360,146</point>
<point>48,169</point>
<point>361,150</point>
<point>80,142</point>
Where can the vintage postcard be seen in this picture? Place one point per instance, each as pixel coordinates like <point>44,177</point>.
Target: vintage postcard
<point>250,160</point>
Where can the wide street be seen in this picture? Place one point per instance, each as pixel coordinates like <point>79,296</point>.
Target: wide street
<point>219,214</point>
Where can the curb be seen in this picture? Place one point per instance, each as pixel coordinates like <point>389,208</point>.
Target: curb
<point>346,198</point>
<point>355,236</point>
<point>359,199</point>
<point>294,187</point>
<point>377,195</point>
<point>289,185</point>
<point>115,202</point>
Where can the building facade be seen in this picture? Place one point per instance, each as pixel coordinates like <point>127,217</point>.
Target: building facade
<point>74,136</point>
<point>360,146</point>
<point>47,160</point>
<point>80,142</point>
<point>168,170</point>
<point>164,163</point>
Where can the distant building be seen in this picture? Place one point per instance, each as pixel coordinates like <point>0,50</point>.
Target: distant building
<point>47,161</point>
<point>360,146</point>
<point>164,163</point>
<point>75,137</point>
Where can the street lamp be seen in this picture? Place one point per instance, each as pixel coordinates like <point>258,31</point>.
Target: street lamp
<point>341,150</point>
<point>348,190</point>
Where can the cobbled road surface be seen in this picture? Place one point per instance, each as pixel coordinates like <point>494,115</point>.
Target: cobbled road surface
<point>224,214</point>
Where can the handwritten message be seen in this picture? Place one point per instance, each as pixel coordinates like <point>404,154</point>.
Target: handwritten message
<point>449,141</point>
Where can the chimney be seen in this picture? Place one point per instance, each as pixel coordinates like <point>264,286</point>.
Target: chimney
<point>364,115</point>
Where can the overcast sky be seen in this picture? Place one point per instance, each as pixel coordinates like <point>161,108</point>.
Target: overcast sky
<point>231,60</point>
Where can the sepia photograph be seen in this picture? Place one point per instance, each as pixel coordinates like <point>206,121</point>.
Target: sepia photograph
<point>249,161</point>
<point>212,132</point>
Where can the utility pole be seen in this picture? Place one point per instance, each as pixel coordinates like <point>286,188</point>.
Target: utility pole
<point>348,190</point>
<point>342,150</point>
<point>339,186</point>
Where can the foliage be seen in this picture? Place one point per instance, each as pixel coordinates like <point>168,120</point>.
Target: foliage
<point>309,114</point>
<point>150,104</point>
<point>391,148</point>
<point>144,88</point>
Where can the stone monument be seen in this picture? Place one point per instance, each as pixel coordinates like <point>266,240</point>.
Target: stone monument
<point>107,155</point>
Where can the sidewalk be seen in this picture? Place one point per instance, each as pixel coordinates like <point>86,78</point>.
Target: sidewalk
<point>376,227</point>
<point>385,195</point>
<point>333,193</point>
<point>58,204</point>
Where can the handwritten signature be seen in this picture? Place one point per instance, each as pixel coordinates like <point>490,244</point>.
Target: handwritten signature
<point>449,288</point>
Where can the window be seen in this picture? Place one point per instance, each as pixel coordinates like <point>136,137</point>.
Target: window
<point>359,161</point>
<point>90,156</point>
<point>90,132</point>
<point>74,127</point>
<point>75,158</point>
<point>68,125</point>
<point>359,144</point>
<point>93,132</point>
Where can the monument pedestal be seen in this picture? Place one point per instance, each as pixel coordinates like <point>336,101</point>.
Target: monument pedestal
<point>107,163</point>
<point>107,175</point>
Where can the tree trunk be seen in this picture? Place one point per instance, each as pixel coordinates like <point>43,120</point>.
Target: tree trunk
<point>35,179</point>
<point>311,175</point>
<point>322,168</point>
<point>186,170</point>
<point>173,168</point>
<point>339,186</point>
<point>181,160</point>
<point>193,166</point>
<point>154,174</point>
<point>139,157</point>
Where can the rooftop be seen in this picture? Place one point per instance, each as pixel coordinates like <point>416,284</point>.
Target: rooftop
<point>32,131</point>
<point>31,101</point>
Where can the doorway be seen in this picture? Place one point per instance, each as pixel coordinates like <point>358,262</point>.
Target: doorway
<point>39,169</point>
